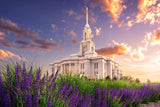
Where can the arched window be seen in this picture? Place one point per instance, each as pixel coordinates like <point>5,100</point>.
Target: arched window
<point>85,36</point>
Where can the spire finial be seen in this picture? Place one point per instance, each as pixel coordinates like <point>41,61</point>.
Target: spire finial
<point>86,15</point>
<point>87,25</point>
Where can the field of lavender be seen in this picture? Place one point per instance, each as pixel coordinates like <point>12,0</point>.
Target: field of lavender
<point>21,87</point>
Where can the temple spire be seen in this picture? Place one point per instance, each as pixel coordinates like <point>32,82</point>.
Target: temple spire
<point>86,15</point>
<point>87,25</point>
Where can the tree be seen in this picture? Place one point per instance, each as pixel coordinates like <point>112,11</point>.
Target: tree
<point>114,78</point>
<point>148,81</point>
<point>137,80</point>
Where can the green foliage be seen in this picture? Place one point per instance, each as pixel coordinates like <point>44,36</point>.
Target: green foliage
<point>146,101</point>
<point>116,102</point>
<point>87,85</point>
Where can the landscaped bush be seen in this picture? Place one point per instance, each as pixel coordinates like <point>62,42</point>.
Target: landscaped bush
<point>27,88</point>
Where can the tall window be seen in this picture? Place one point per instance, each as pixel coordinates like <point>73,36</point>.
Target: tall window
<point>72,64</point>
<point>85,36</point>
<point>72,68</point>
<point>96,65</point>
<point>58,68</point>
<point>82,66</point>
<point>66,68</point>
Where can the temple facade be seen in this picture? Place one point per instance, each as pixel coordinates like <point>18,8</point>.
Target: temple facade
<point>87,62</point>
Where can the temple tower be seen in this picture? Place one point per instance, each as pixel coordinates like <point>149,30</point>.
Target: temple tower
<point>87,47</point>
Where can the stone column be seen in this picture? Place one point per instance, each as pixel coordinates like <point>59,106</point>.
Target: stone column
<point>103,72</point>
<point>109,65</point>
<point>87,68</point>
<point>61,68</point>
<point>114,72</point>
<point>106,72</point>
<point>117,74</point>
<point>69,68</point>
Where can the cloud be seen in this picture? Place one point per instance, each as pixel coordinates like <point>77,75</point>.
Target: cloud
<point>72,33</point>
<point>5,44</point>
<point>71,12</point>
<point>44,44</point>
<point>2,35</point>
<point>54,28</point>
<point>98,31</point>
<point>117,49</point>
<point>143,6</point>
<point>132,54</point>
<point>130,23</point>
<point>27,34</point>
<point>150,40</point>
<point>74,41</point>
<point>7,25</point>
<point>92,35</point>
<point>120,24</point>
<point>128,17</point>
<point>148,11</point>
<point>113,7</point>
<point>21,42</point>
<point>8,54</point>
<point>111,26</point>
<point>123,49</point>
<point>62,50</point>
<point>156,37</point>
<point>137,55</point>
<point>37,44</point>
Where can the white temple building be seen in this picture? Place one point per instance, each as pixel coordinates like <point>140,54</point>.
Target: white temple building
<point>87,62</point>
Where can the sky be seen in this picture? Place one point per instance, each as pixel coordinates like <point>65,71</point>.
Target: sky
<point>44,31</point>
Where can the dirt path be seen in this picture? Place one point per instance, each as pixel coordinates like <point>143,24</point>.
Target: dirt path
<point>151,104</point>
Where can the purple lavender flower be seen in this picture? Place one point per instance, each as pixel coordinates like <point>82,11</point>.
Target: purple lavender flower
<point>49,102</point>
<point>8,75</point>
<point>36,88</point>
<point>17,78</point>
<point>29,100</point>
<point>53,80</point>
<point>62,90</point>
<point>126,104</point>
<point>29,78</point>
<point>67,92</point>
<point>74,98</point>
<point>86,100</point>
<point>2,91</point>
<point>24,80</point>
<point>7,99</point>
<point>42,81</point>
